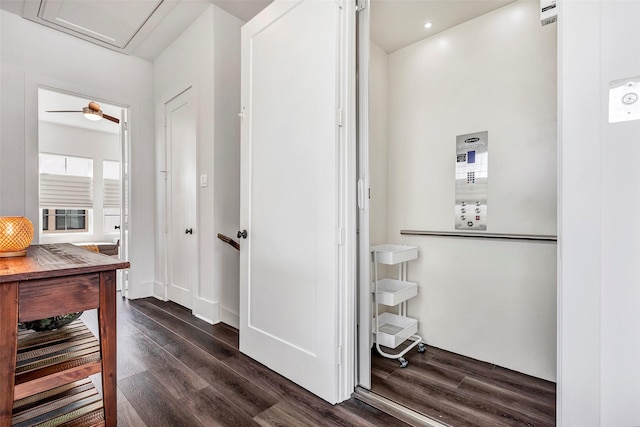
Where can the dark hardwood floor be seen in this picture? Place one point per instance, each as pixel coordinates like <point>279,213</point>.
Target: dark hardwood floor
<point>176,370</point>
<point>460,391</point>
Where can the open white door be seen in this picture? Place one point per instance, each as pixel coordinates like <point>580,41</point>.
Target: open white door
<point>292,263</point>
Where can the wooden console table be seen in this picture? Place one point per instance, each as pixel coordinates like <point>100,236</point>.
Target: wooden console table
<point>53,280</point>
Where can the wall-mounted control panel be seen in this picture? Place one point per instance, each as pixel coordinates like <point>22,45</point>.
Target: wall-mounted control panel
<point>472,172</point>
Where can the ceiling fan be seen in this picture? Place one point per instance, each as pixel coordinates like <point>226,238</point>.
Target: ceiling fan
<point>91,112</point>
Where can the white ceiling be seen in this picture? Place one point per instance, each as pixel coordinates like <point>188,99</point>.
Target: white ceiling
<point>139,28</point>
<point>399,23</point>
<point>394,25</point>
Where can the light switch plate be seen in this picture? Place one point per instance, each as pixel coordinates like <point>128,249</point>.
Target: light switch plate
<point>624,100</point>
<point>204,180</point>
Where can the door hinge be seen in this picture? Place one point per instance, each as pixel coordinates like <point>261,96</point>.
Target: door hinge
<point>339,355</point>
<point>339,236</point>
<point>361,5</point>
<point>339,117</point>
<point>125,125</point>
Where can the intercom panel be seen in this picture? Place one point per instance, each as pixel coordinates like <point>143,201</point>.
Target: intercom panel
<point>472,171</point>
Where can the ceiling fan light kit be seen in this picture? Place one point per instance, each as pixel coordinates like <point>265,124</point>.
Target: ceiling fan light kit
<point>91,112</point>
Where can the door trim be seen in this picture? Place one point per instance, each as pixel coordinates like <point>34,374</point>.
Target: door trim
<point>363,368</point>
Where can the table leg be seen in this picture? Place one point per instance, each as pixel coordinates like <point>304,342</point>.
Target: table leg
<point>8,348</point>
<point>107,325</point>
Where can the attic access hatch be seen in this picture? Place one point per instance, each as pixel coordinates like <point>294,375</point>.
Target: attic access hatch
<point>119,25</point>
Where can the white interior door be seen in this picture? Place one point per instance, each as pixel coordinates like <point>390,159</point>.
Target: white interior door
<point>290,176</point>
<point>182,264</point>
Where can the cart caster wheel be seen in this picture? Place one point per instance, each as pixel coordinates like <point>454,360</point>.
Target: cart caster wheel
<point>422,348</point>
<point>403,362</point>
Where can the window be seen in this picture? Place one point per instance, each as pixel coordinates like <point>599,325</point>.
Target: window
<point>64,220</point>
<point>66,193</point>
<point>111,196</point>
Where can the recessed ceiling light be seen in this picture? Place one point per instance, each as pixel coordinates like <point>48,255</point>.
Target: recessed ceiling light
<point>427,24</point>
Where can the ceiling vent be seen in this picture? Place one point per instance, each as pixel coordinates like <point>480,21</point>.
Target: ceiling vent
<point>120,25</point>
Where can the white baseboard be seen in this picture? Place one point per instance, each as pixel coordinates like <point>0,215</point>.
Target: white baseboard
<point>160,291</point>
<point>140,290</point>
<point>206,310</point>
<point>229,317</point>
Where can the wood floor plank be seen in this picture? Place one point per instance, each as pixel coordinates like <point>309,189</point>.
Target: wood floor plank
<point>465,364</point>
<point>210,408</point>
<point>220,331</point>
<point>146,325</point>
<point>148,397</point>
<point>524,383</point>
<point>212,345</point>
<point>245,395</point>
<point>431,373</point>
<point>282,415</point>
<point>525,408</point>
<point>176,377</point>
<point>128,417</point>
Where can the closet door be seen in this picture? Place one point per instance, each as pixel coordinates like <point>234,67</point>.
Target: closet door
<point>182,259</point>
<point>289,272</point>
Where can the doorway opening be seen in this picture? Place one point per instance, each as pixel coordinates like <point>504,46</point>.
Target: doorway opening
<point>485,305</point>
<point>82,173</point>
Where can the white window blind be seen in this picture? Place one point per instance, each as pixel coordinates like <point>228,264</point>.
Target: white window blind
<point>66,191</point>
<point>111,198</point>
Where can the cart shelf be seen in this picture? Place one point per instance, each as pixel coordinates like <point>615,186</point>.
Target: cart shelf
<point>394,254</point>
<point>392,292</point>
<point>393,329</point>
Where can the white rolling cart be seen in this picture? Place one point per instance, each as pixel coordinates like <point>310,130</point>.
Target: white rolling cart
<point>389,329</point>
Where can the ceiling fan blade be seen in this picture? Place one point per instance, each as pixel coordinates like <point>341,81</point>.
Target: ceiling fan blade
<point>65,111</point>
<point>108,117</point>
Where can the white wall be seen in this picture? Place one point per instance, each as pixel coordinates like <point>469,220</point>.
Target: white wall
<point>33,55</point>
<point>599,342</point>
<point>490,300</point>
<point>226,74</point>
<point>206,57</point>
<point>378,145</point>
<point>99,146</point>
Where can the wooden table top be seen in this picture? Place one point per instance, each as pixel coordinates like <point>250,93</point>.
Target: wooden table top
<point>56,260</point>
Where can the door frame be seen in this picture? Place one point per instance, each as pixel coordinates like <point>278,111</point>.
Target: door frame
<point>32,148</point>
<point>363,337</point>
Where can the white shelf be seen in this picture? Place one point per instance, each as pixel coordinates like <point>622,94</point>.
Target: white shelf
<point>394,254</point>
<point>394,329</point>
<point>392,292</point>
